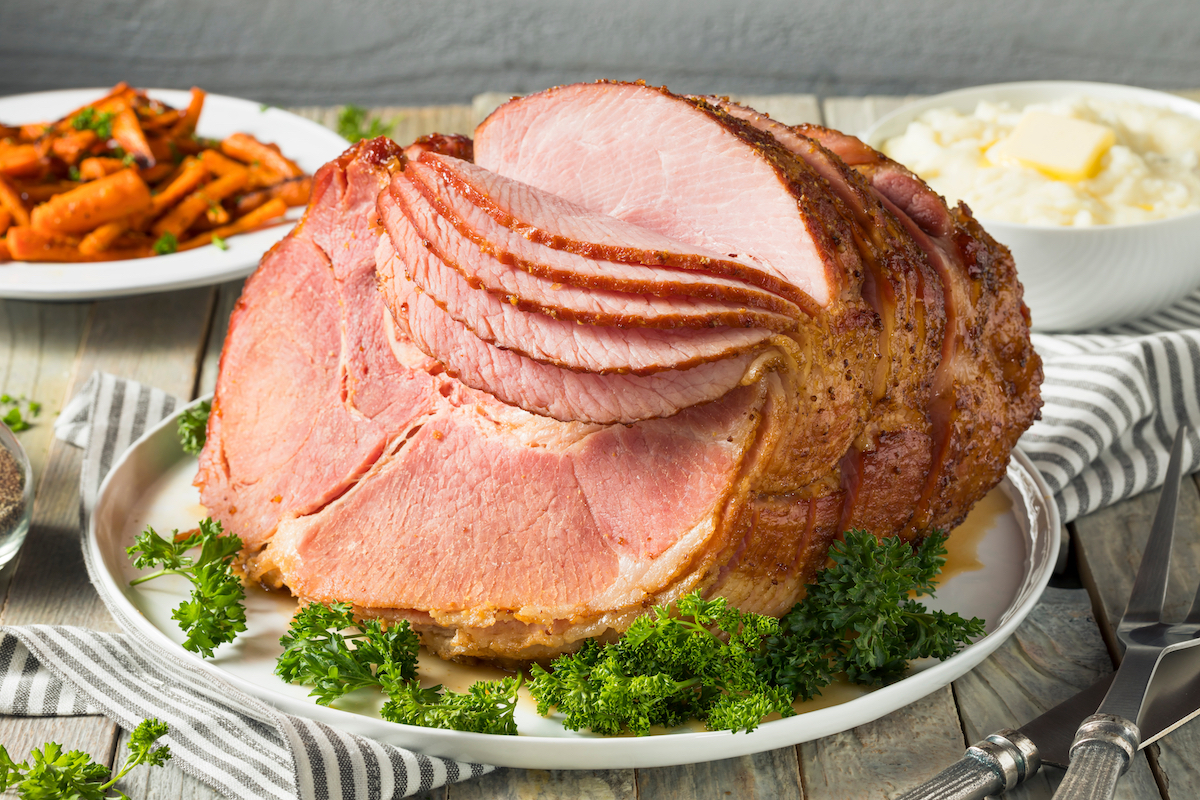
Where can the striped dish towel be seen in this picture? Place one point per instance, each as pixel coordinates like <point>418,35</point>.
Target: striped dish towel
<point>1113,401</point>
<point>232,742</point>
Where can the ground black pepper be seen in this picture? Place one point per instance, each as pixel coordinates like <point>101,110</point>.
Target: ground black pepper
<point>12,491</point>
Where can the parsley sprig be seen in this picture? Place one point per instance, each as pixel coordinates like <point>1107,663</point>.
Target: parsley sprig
<point>51,773</point>
<point>327,648</point>
<point>486,706</point>
<point>317,651</point>
<point>13,418</point>
<point>215,612</point>
<point>352,125</point>
<point>692,660</point>
<point>193,426</point>
<point>861,617</point>
<point>90,120</point>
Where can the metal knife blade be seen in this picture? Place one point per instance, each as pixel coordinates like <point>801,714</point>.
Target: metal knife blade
<point>1174,699</point>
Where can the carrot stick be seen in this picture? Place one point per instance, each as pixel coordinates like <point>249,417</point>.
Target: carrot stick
<point>219,164</point>
<point>256,218</point>
<point>40,192</point>
<point>181,217</point>
<point>120,90</point>
<point>5,220</point>
<point>19,159</point>
<point>73,145</point>
<point>294,192</point>
<point>245,147</point>
<point>103,237</point>
<point>92,204</point>
<point>10,201</point>
<point>128,132</point>
<point>98,166</point>
<point>186,125</point>
<point>26,244</point>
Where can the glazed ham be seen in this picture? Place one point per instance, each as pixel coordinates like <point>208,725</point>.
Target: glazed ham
<point>625,346</point>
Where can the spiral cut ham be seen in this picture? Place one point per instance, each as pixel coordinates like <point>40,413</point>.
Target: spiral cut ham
<point>623,346</point>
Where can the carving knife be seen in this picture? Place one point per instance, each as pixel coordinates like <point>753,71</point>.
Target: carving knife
<point>1008,757</point>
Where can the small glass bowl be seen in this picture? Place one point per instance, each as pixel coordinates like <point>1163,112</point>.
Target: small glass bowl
<point>14,513</point>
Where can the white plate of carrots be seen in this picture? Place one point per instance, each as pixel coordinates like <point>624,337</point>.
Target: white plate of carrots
<point>201,186</point>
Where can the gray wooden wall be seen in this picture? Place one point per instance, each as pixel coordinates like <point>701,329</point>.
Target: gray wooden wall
<point>391,52</point>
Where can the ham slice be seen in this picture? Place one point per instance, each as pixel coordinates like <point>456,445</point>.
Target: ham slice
<point>566,285</point>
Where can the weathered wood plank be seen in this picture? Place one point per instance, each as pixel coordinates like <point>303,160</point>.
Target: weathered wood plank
<point>539,784</point>
<point>407,122</point>
<point>227,297</point>
<point>855,114</point>
<point>886,757</point>
<point>1055,653</point>
<point>167,782</point>
<point>93,735</point>
<point>774,774</point>
<point>1110,543</point>
<point>39,343</point>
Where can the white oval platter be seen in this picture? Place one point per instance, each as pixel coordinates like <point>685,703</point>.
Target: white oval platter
<point>1015,532</point>
<point>306,142</point>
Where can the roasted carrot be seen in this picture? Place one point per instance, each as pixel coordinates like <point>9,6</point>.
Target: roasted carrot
<point>186,125</point>
<point>98,166</point>
<point>33,131</point>
<point>26,244</point>
<point>193,174</point>
<point>128,132</point>
<point>181,217</point>
<point>34,192</point>
<point>294,192</point>
<point>5,220</point>
<point>219,164</point>
<point>245,147</point>
<point>73,145</point>
<point>103,237</point>
<point>10,201</point>
<point>158,121</point>
<point>92,204</point>
<point>19,159</point>
<point>272,209</point>
<point>4,254</point>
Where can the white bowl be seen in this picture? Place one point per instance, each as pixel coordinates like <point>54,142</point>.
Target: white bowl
<point>1082,278</point>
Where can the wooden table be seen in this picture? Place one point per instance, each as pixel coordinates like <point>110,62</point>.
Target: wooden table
<point>172,340</point>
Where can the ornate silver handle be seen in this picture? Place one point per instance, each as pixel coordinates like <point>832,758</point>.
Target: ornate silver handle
<point>1103,749</point>
<point>995,765</point>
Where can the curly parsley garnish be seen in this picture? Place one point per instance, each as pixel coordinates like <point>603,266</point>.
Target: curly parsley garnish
<point>672,665</point>
<point>51,773</point>
<point>90,120</point>
<point>486,706</point>
<point>317,651</point>
<point>860,617</point>
<point>352,125</point>
<point>13,417</point>
<point>166,244</point>
<point>215,612</point>
<point>193,427</point>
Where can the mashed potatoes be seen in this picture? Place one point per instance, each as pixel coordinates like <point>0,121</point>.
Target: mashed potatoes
<point>1151,172</point>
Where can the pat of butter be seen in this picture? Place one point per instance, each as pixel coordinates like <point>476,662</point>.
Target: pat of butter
<point>1062,148</point>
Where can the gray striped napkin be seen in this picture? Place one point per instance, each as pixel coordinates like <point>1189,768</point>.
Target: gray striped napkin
<point>232,742</point>
<point>1114,400</point>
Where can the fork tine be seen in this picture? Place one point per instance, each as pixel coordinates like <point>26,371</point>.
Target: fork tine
<point>1150,586</point>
